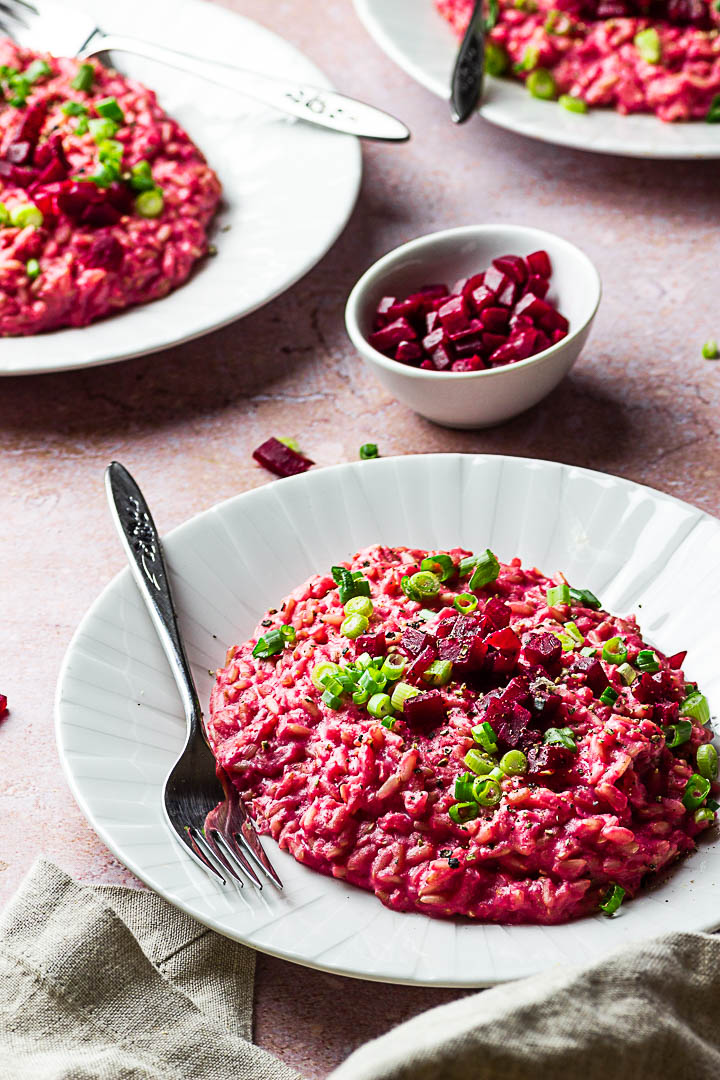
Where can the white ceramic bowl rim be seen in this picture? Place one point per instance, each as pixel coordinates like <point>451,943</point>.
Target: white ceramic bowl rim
<point>386,262</point>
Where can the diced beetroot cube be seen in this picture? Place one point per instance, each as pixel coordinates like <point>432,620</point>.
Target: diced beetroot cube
<point>434,338</point>
<point>677,660</point>
<point>19,175</point>
<point>19,152</point>
<point>513,266</point>
<point>381,313</point>
<point>494,319</point>
<point>553,320</point>
<point>557,335</point>
<point>509,294</point>
<point>3,704</point>
<point>498,612</point>
<point>474,326</point>
<point>442,357</point>
<point>433,292</point>
<point>539,263</point>
<point>549,759</point>
<point>469,363</point>
<point>373,643</point>
<point>648,687</point>
<point>505,354</point>
<point>404,309</point>
<point>513,726</point>
<point>280,459</point>
<point>537,285</point>
<point>408,352</point>
<point>521,322</point>
<point>532,306</point>
<point>523,342</point>
<point>421,662</point>
<point>428,365</point>
<point>431,321</point>
<point>468,342</point>
<point>425,710</point>
<point>390,336</point>
<point>465,654</point>
<point>100,214</point>
<point>482,298</point>
<point>594,673</point>
<point>466,626</point>
<point>542,342</point>
<point>505,639</point>
<point>546,706</point>
<point>413,641</point>
<point>491,342</point>
<point>666,713</point>
<point>459,286</point>
<point>542,648</point>
<point>474,282</point>
<point>454,314</point>
<point>495,279</point>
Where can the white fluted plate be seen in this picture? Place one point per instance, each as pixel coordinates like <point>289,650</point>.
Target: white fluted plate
<point>120,726</point>
<point>289,187</point>
<point>416,37</point>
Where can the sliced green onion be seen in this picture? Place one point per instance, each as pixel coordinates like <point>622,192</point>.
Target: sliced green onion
<point>372,680</point>
<point>487,791</point>
<point>496,59</point>
<point>438,673</point>
<point>440,565</point>
<point>464,787</point>
<point>408,589</point>
<point>467,565</point>
<point>696,705</point>
<point>274,641</point>
<point>465,603</point>
<point>514,763</point>
<point>141,179</point>
<point>697,790</point>
<point>401,692</point>
<point>292,444</point>
<point>101,129</point>
<point>109,108</point>
<point>530,59</point>
<point>393,667</point>
<point>426,613</point>
<point>353,626</point>
<point>361,697</point>
<point>74,108</point>
<point>26,214</point>
<point>110,152</point>
<point>369,450</point>
<point>677,734</point>
<point>359,605</point>
<point>4,214</point>
<point>710,348</point>
<point>707,761</point>
<point>479,763</point>
<point>627,673</point>
<point>388,721</point>
<point>425,584</point>
<point>568,643</point>
<point>322,672</point>
<point>647,660</point>
<point>82,128</point>
<point>84,79</point>
<point>349,583</point>
<point>704,814</point>
<point>572,103</point>
<point>712,116</point>
<point>584,598</point>
<point>614,651</point>
<point>613,899</point>
<point>647,43</point>
<point>573,630</point>
<point>150,204</point>
<point>39,69</point>
<point>609,696</point>
<point>32,269</point>
<point>333,701</point>
<point>588,651</point>
<point>557,594</point>
<point>541,84</point>
<point>484,736</point>
<point>486,570</point>
<point>493,9</point>
<point>463,811</point>
<point>560,737</point>
<point>364,660</point>
<point>379,705</point>
<point>21,88</point>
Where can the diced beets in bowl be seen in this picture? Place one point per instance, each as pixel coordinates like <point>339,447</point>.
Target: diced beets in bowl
<point>496,317</point>
<point>539,263</point>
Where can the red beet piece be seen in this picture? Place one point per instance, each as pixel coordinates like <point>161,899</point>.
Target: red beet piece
<point>542,648</point>
<point>513,266</point>
<point>422,662</point>
<point>482,298</point>
<point>468,343</point>
<point>469,363</point>
<point>434,338</point>
<point>513,726</point>
<point>405,309</point>
<point>19,175</point>
<point>491,342</point>
<point>546,706</point>
<point>496,280</point>
<point>390,336</point>
<point>553,320</point>
<point>542,342</point>
<point>594,673</point>
<point>19,152</point>
<point>454,315</point>
<point>474,282</point>
<point>557,335</point>
<point>649,687</point>
<point>677,659</point>
<point>408,352</point>
<point>373,643</point>
<point>537,285</point>
<point>498,612</point>
<point>425,710</point>
<point>441,358</point>
<point>431,321</point>
<point>434,292</point>
<point>508,296</point>
<point>505,640</point>
<point>523,342</point>
<point>3,704</point>
<point>382,309</point>
<point>549,759</point>
<point>521,322</point>
<point>100,214</point>
<point>494,319</point>
<point>413,641</point>
<point>467,655</point>
<point>466,626</point>
<point>539,263</point>
<point>666,713</point>
<point>532,306</point>
<point>105,251</point>
<point>280,459</point>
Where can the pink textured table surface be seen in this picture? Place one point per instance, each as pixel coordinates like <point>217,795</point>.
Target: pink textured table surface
<point>641,402</point>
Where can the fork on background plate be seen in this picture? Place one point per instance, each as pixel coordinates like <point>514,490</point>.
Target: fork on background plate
<point>202,807</point>
<point>66,31</point>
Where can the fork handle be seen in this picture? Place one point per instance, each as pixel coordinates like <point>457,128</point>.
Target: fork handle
<point>142,546</point>
<point>318,106</point>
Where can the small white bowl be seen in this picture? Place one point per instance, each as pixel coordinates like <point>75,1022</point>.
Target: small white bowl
<point>475,398</point>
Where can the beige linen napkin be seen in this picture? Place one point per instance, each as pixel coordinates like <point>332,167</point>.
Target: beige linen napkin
<point>100,983</point>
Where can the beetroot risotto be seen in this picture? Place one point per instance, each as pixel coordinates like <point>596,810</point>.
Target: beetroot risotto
<point>105,200</point>
<point>465,737</point>
<point>651,56</point>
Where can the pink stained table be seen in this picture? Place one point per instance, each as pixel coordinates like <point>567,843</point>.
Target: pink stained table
<point>641,402</point>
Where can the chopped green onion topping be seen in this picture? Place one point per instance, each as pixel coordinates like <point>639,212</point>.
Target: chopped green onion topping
<point>274,641</point>
<point>333,701</point>
<point>486,570</point>
<point>465,603</point>
<point>32,269</point>
<point>707,761</point>
<point>141,179</point>
<point>74,108</point>
<point>710,348</point>
<point>438,673</point>
<point>588,651</point>
<point>484,736</point>
<point>100,128</point>
<point>614,651</point>
<point>560,737</point>
<point>487,791</point>
<point>440,565</point>
<point>393,667</point>
<point>150,204</point>
<point>541,84</point>
<point>353,626</point>
<point>379,705</point>
<point>369,450</point>
<point>109,108</point>
<point>558,594</point>
<point>110,152</point>
<point>401,692</point>
<point>712,116</point>
<point>4,214</point>
<point>492,16</point>
<point>479,763</point>
<point>704,814</point>
<point>584,598</point>
<point>568,643</point>
<point>696,705</point>
<point>677,734</point>
<point>82,127</point>
<point>530,59</point>
<point>697,790</point>
<point>424,584</point>
<point>388,721</point>
<point>712,805</point>
<point>464,787</point>
<point>613,899</point>
<point>573,630</point>
<point>349,583</point>
<point>408,589</point>
<point>609,696</point>
<point>324,671</point>
<point>572,103</point>
<point>514,763</point>
<point>20,85</point>
<point>84,79</point>
<point>496,59</point>
<point>647,43</point>
<point>359,605</point>
<point>627,673</point>
<point>292,444</point>
<point>26,214</point>
<point>647,661</point>
<point>463,811</point>
<point>39,69</point>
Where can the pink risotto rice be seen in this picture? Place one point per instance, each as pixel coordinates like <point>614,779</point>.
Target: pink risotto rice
<point>648,56</point>
<point>587,750</point>
<point>105,201</point>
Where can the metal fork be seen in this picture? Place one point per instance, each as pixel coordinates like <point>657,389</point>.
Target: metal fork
<point>67,31</point>
<point>202,807</point>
